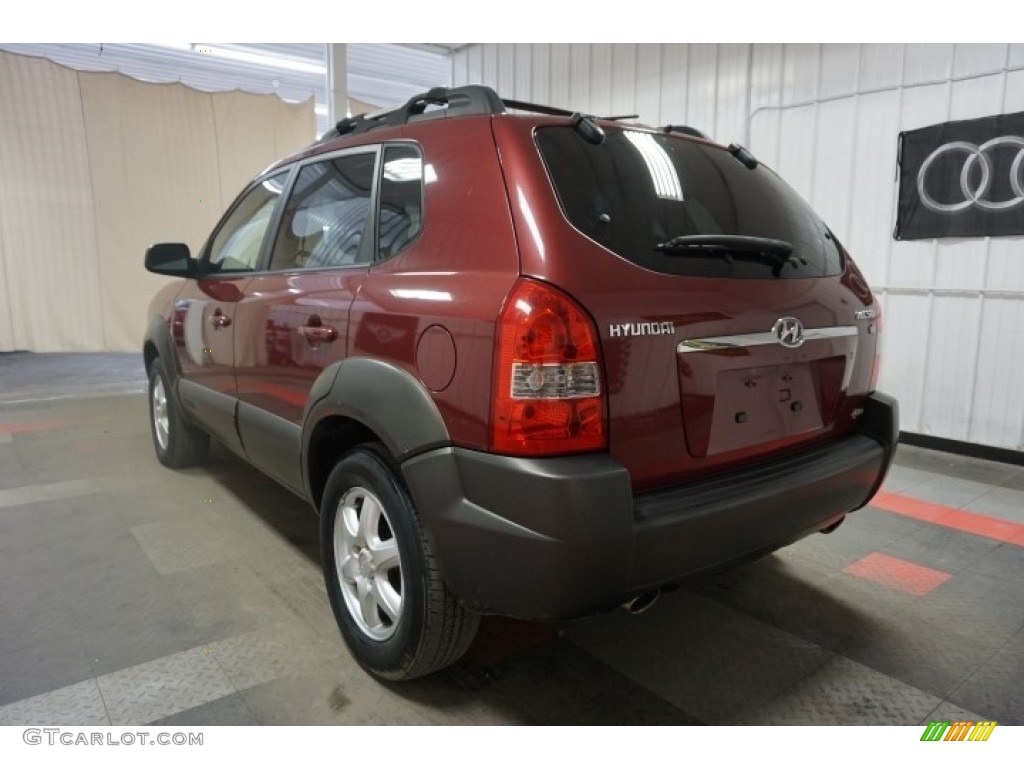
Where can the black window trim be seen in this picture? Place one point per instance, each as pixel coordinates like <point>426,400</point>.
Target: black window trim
<point>291,171</point>
<point>423,197</point>
<point>369,234</point>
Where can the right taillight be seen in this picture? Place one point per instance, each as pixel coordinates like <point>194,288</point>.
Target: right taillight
<point>548,397</point>
<point>877,362</point>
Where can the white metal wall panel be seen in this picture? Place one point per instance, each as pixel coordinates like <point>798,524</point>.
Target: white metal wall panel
<point>800,68</point>
<point>579,76</point>
<point>827,118</point>
<point>675,62</point>
<point>873,194</point>
<point>1006,255</point>
<point>840,70</point>
<point>560,74</point>
<point>624,77</point>
<point>921,106</point>
<point>880,66</point>
<point>731,116</point>
<point>541,74</point>
<point>506,66</point>
<point>796,143</point>
<point>925,63</point>
<point>523,76</point>
<point>601,78</point>
<point>702,87</point>
<point>832,181</point>
<point>978,58</point>
<point>951,366</point>
<point>647,99</point>
<point>998,408</point>
<point>766,76</point>
<point>764,136</point>
<point>903,359</point>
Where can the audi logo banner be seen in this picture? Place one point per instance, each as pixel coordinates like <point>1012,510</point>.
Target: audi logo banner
<point>962,179</point>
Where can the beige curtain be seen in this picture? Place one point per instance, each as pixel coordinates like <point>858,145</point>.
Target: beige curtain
<point>94,167</point>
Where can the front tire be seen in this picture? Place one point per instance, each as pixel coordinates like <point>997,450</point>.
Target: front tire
<point>178,444</point>
<point>396,615</point>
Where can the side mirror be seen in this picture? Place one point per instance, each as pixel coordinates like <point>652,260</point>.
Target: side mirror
<point>172,259</point>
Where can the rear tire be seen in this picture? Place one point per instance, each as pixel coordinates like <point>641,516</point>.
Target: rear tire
<point>178,444</point>
<point>396,615</point>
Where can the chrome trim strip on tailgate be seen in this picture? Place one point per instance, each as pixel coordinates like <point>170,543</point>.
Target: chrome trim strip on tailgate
<point>713,343</point>
<point>718,343</point>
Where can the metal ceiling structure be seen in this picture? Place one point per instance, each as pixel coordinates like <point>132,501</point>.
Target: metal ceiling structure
<point>378,74</point>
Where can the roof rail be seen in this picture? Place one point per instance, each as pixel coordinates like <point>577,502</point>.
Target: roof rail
<point>685,129</point>
<point>464,100</point>
<point>453,102</point>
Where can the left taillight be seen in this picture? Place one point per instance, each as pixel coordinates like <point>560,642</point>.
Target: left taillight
<point>548,397</point>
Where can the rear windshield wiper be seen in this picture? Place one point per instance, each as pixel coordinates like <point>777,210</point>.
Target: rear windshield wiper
<point>776,253</point>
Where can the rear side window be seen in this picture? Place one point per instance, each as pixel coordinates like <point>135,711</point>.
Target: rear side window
<point>401,199</point>
<point>639,190</point>
<point>326,216</point>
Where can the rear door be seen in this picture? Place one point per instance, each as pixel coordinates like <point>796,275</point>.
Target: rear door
<point>293,319</point>
<point>727,311</point>
<point>204,311</point>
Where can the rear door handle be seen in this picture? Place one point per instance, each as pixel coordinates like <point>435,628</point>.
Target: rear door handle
<point>315,331</point>
<point>219,320</point>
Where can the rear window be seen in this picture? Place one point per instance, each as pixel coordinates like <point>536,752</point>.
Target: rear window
<point>637,190</point>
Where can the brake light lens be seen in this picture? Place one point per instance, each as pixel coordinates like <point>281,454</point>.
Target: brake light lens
<point>548,396</point>
<point>876,364</point>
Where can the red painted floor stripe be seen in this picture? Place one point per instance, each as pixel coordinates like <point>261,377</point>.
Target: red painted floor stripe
<point>27,426</point>
<point>914,579</point>
<point>949,517</point>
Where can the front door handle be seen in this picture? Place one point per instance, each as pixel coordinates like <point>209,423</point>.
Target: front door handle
<point>219,320</point>
<point>315,331</point>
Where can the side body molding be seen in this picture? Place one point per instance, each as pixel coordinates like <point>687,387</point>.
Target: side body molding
<point>384,398</point>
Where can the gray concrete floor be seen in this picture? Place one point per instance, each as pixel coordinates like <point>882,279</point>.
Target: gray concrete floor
<point>133,594</point>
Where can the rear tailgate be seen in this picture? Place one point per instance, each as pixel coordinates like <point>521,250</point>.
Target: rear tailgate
<point>711,359</point>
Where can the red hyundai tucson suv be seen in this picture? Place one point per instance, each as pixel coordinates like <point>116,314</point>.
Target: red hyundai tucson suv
<point>522,361</point>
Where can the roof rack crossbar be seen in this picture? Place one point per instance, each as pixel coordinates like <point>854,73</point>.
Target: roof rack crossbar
<point>540,109</point>
<point>462,100</point>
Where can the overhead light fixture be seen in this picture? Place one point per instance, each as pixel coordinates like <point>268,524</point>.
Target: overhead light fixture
<point>263,60</point>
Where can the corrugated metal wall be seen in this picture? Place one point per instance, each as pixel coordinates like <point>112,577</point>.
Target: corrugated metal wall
<point>827,118</point>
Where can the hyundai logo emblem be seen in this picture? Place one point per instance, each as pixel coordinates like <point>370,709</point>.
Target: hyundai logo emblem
<point>789,331</point>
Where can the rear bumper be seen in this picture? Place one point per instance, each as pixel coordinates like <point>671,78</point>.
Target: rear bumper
<point>562,537</point>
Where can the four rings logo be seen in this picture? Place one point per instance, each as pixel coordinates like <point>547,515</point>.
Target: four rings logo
<point>975,185</point>
<point>789,331</point>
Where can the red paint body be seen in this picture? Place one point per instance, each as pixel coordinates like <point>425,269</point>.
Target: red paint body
<point>490,217</point>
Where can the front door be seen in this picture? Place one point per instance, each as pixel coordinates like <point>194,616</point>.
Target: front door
<point>204,313</point>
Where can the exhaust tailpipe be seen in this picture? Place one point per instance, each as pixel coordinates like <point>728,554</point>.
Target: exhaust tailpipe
<point>834,525</point>
<point>641,602</point>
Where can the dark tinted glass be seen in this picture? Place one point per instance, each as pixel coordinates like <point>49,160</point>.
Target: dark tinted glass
<point>401,199</point>
<point>638,189</point>
<point>326,215</point>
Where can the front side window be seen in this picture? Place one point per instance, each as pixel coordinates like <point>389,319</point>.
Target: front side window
<point>236,246</point>
<point>401,200</point>
<point>325,220</point>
